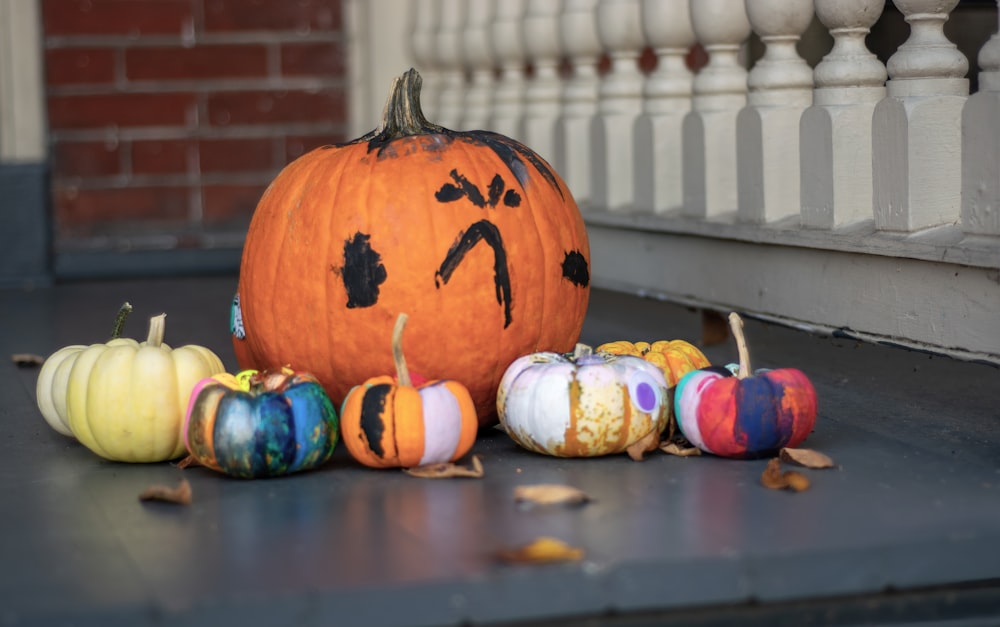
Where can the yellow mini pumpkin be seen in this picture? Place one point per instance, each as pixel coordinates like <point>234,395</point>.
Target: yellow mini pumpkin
<point>675,357</point>
<point>124,400</point>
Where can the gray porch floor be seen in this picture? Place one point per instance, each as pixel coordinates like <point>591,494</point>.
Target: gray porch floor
<point>906,530</point>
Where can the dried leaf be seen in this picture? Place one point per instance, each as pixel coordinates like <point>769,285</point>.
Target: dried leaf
<point>680,450</point>
<point>180,495</point>
<point>448,469</point>
<point>188,462</point>
<point>541,550</point>
<point>27,360</point>
<point>714,328</point>
<point>647,443</point>
<point>775,479</point>
<point>550,494</point>
<point>806,457</point>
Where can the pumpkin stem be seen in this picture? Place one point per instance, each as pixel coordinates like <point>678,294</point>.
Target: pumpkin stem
<point>157,326</point>
<point>736,324</point>
<point>402,372</point>
<point>402,115</point>
<point>582,350</point>
<point>123,312</point>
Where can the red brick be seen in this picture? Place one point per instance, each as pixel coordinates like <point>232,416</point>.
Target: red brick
<point>313,59</point>
<point>115,17</point>
<point>301,16</point>
<point>267,107</point>
<point>298,145</point>
<point>75,207</point>
<point>160,156</point>
<point>72,66</point>
<point>92,158</point>
<point>230,204</point>
<point>120,109</point>
<point>199,62</point>
<point>236,155</point>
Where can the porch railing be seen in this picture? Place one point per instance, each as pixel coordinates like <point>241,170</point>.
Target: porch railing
<point>852,196</point>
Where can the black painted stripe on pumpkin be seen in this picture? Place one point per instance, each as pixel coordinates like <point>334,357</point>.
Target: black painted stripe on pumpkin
<point>510,152</point>
<point>574,268</point>
<point>484,230</point>
<point>373,415</point>
<point>363,271</point>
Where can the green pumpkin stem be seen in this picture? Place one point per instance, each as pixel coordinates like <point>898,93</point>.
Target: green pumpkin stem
<point>736,324</point>
<point>157,326</point>
<point>123,312</point>
<point>402,372</point>
<point>402,115</point>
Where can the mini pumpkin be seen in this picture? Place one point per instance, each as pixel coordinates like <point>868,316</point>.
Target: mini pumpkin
<point>742,415</point>
<point>388,422</point>
<point>582,404</point>
<point>472,233</point>
<point>675,357</point>
<point>124,400</point>
<point>260,424</point>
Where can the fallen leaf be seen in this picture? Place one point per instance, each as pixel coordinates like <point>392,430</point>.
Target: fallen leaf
<point>550,494</point>
<point>541,550</point>
<point>774,479</point>
<point>714,328</point>
<point>27,360</point>
<point>188,462</point>
<point>680,450</point>
<point>647,443</point>
<point>448,469</point>
<point>180,495</point>
<point>806,457</point>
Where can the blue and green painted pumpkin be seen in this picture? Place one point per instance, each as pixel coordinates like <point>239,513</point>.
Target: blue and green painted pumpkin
<point>731,413</point>
<point>260,424</point>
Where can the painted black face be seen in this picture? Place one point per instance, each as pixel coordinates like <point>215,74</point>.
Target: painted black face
<point>363,272</point>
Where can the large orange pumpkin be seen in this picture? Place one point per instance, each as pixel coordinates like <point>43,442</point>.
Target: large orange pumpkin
<point>471,233</point>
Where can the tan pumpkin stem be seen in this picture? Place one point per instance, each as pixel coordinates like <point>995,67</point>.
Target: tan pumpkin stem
<point>582,350</point>
<point>402,115</point>
<point>402,372</point>
<point>736,324</point>
<point>157,326</point>
<point>123,312</point>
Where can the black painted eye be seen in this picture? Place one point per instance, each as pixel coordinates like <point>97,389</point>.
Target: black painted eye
<point>574,268</point>
<point>363,271</point>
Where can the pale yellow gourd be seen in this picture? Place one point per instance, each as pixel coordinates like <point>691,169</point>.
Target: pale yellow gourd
<point>124,400</point>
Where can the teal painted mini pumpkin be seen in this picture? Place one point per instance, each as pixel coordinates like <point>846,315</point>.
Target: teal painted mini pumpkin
<point>260,424</point>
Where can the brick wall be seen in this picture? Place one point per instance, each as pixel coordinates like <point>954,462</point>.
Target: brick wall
<point>168,118</point>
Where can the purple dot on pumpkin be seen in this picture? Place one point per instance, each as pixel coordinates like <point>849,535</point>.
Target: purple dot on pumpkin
<point>645,397</point>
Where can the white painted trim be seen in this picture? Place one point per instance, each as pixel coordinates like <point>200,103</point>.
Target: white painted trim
<point>22,107</point>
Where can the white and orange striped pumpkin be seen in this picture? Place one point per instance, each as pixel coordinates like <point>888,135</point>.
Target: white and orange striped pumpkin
<point>582,405</point>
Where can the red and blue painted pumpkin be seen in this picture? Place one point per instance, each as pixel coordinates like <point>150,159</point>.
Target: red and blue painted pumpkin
<point>260,424</point>
<point>388,422</point>
<point>740,415</point>
<point>584,404</point>
<point>471,233</point>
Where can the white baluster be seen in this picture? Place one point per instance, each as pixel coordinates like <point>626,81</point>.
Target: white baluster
<point>581,46</point>
<point>916,128</point>
<point>544,91</point>
<point>479,60</point>
<point>450,59</point>
<point>767,129</point>
<point>508,51</point>
<point>619,26</point>
<point>835,144</point>
<point>981,145</point>
<point>659,159</point>
<point>424,16</point>
<point>720,90</point>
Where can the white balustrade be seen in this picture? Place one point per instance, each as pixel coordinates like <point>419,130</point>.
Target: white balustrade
<point>544,91</point>
<point>582,48</point>
<point>981,145</point>
<point>619,104</point>
<point>507,41</point>
<point>424,17</point>
<point>836,132</point>
<point>916,128</point>
<point>448,50</point>
<point>767,129</point>
<point>720,88</point>
<point>478,55</point>
<point>659,159</point>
